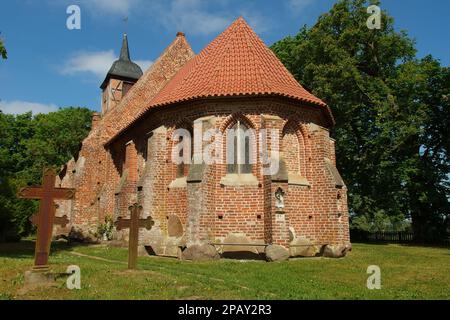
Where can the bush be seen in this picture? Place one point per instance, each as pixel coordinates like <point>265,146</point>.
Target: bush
<point>106,229</point>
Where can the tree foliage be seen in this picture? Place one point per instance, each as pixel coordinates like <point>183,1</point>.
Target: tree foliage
<point>3,52</point>
<point>27,144</point>
<point>392,114</point>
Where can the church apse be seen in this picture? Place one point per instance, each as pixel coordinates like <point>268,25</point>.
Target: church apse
<point>205,208</point>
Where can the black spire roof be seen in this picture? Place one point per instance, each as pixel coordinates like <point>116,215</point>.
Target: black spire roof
<point>124,68</point>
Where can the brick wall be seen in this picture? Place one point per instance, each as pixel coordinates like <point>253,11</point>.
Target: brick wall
<point>98,173</point>
<point>210,210</point>
<point>139,168</point>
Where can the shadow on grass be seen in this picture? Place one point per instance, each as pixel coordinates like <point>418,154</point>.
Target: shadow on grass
<point>434,246</point>
<point>403,244</point>
<point>243,255</point>
<point>25,248</point>
<point>379,243</point>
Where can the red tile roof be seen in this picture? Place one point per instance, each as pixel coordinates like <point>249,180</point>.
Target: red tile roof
<point>237,62</point>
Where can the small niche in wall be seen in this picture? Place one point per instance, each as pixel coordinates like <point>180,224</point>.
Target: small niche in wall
<point>258,217</point>
<point>310,217</point>
<point>220,216</point>
<point>140,188</point>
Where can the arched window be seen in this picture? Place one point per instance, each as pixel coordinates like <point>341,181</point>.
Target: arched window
<point>183,168</point>
<point>240,141</point>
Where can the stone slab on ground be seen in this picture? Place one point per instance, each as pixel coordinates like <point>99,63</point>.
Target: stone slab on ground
<point>336,251</point>
<point>276,252</point>
<point>302,247</point>
<point>202,252</point>
<point>33,278</point>
<point>38,279</point>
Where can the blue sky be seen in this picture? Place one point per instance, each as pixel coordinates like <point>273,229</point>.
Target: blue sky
<point>50,66</point>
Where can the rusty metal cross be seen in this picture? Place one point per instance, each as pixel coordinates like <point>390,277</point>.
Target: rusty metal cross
<point>134,224</point>
<point>45,219</point>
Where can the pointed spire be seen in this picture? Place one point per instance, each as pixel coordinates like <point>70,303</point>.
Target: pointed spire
<point>125,52</point>
<point>123,68</point>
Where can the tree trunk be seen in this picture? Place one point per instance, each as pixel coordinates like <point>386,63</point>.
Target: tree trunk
<point>418,227</point>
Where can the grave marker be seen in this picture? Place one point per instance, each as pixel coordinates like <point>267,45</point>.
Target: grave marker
<point>45,218</point>
<point>134,224</point>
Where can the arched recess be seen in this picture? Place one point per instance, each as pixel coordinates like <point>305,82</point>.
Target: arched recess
<point>294,148</point>
<point>241,144</point>
<point>185,130</point>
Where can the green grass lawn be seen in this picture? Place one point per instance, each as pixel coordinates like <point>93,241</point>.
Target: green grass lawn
<point>406,273</point>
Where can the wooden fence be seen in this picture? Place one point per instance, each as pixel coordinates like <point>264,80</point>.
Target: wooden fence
<point>388,237</point>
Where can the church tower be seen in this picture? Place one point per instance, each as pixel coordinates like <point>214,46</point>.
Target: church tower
<point>120,78</point>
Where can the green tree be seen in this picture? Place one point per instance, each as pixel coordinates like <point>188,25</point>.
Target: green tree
<point>389,107</point>
<point>14,131</point>
<point>27,144</point>
<point>57,137</point>
<point>423,91</point>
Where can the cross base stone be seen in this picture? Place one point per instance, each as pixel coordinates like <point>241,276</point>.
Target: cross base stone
<point>42,277</point>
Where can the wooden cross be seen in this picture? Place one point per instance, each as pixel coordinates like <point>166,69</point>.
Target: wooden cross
<point>45,219</point>
<point>134,224</point>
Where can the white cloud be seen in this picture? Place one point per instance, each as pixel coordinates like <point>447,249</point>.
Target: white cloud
<point>97,63</point>
<point>144,64</point>
<point>195,17</point>
<point>200,17</point>
<point>258,22</point>
<point>298,5</point>
<point>191,16</point>
<point>111,6</point>
<point>19,107</point>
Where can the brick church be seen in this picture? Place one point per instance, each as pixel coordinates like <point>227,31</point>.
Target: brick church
<point>300,209</point>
